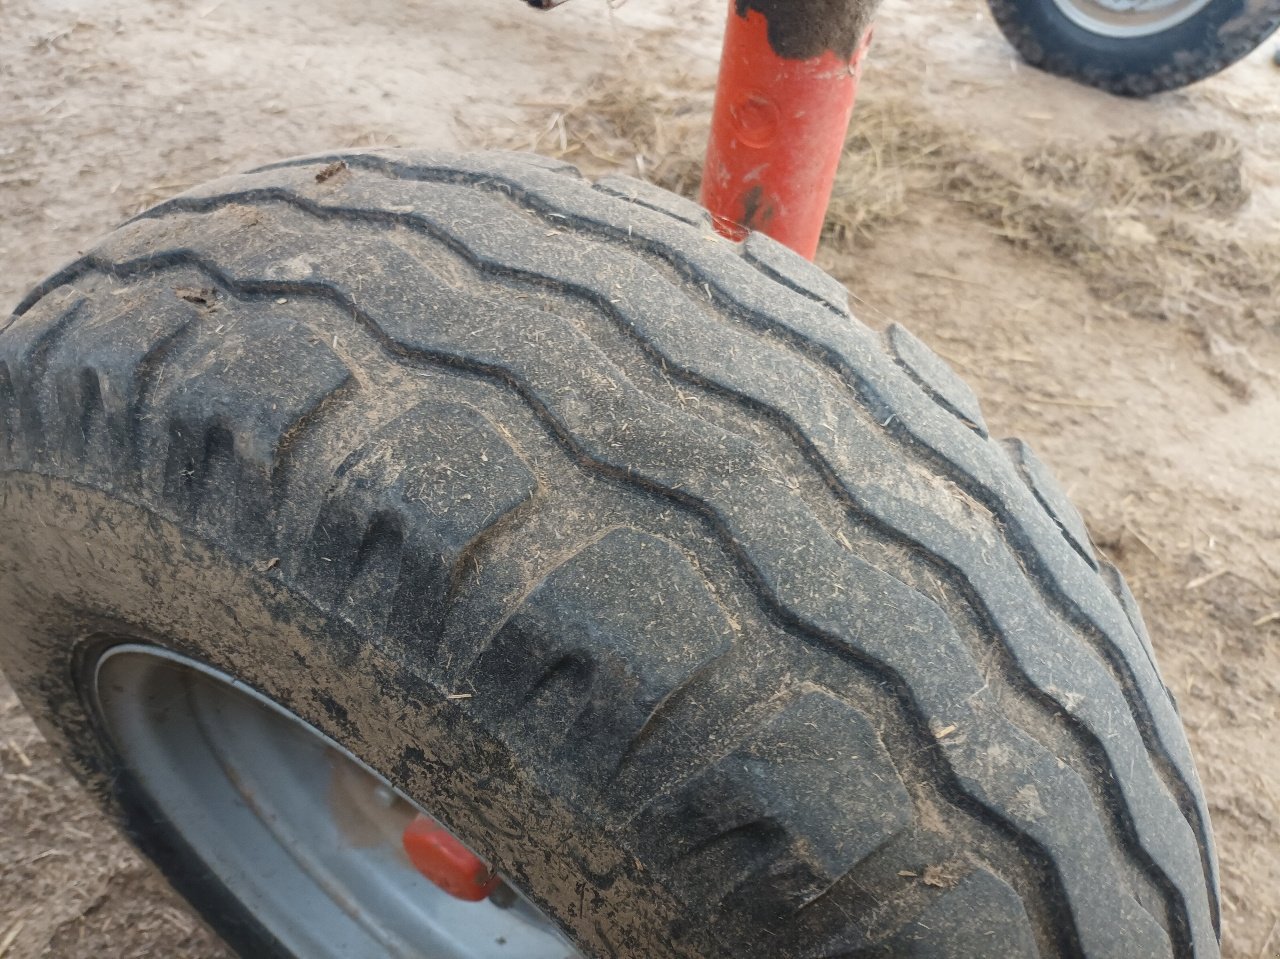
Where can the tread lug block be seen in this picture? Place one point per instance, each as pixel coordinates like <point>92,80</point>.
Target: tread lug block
<point>655,198</point>
<point>230,416</point>
<point>82,403</point>
<point>1053,498</point>
<point>404,511</point>
<point>1116,582</point>
<point>768,828</point>
<point>562,167</point>
<point>597,651</point>
<point>101,373</point>
<point>25,347</point>
<point>792,270</point>
<point>979,917</point>
<point>936,377</point>
<point>10,418</point>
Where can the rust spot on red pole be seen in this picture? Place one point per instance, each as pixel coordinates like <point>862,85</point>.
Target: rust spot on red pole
<point>777,132</point>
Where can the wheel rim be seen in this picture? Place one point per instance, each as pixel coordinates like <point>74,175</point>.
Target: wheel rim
<point>1129,18</point>
<point>292,824</point>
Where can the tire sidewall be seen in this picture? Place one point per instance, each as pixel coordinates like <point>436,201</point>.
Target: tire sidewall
<point>97,572</point>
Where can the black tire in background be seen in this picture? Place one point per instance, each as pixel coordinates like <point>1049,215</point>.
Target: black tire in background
<point>766,648</point>
<point>1065,37</point>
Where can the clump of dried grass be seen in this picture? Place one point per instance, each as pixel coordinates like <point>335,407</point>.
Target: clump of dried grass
<point>629,122</point>
<point>1145,220</point>
<point>1199,173</point>
<point>892,150</point>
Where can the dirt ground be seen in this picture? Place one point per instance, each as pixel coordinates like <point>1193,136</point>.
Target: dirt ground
<point>1104,272</point>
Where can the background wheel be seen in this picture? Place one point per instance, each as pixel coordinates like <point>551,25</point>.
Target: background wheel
<point>715,621</point>
<point>1135,47</point>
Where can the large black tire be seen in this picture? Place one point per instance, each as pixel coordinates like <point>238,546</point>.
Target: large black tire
<point>1205,43</point>
<point>773,651</point>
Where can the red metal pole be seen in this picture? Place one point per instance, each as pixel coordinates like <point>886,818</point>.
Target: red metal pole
<point>782,111</point>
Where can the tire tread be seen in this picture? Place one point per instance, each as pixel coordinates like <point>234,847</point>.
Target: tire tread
<point>462,234</point>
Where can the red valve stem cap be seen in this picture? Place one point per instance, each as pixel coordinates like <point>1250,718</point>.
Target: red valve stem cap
<point>438,855</point>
